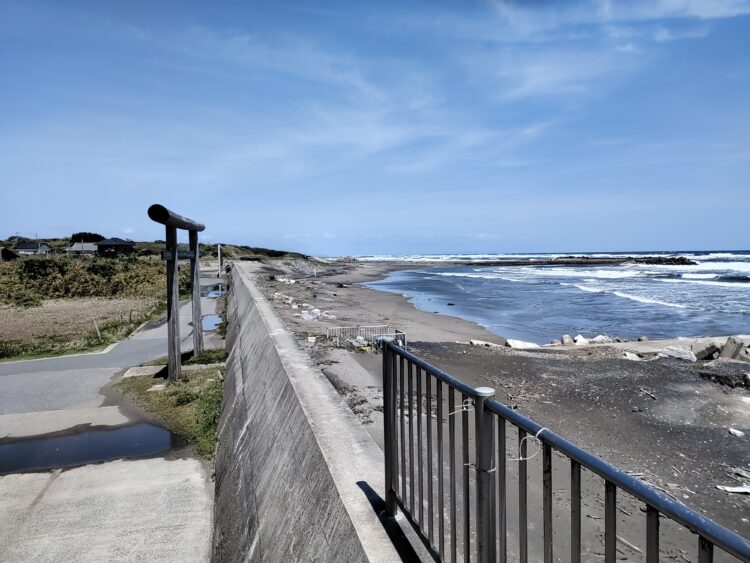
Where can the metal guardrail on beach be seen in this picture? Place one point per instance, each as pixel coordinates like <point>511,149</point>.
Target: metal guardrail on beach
<point>371,333</point>
<point>467,514</point>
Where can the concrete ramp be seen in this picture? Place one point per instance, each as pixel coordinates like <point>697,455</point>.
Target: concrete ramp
<point>293,465</point>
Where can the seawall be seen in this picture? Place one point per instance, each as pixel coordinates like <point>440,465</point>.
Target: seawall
<point>293,466</point>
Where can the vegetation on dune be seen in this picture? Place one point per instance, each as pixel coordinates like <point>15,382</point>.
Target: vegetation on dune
<point>26,282</point>
<point>189,407</point>
<point>33,281</point>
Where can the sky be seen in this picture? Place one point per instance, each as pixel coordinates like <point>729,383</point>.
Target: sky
<point>337,128</point>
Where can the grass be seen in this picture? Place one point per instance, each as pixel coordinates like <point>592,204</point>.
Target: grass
<point>66,326</point>
<point>215,356</point>
<point>189,407</point>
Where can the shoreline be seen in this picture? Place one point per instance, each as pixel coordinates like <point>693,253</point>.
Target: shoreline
<point>385,268</point>
<point>590,394</point>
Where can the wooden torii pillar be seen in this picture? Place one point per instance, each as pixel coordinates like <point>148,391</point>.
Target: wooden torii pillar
<point>172,221</point>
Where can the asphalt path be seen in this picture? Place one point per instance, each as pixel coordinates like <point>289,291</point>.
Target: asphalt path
<point>77,381</point>
<point>157,508</point>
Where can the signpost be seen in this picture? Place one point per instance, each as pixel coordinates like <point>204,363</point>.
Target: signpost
<point>172,221</point>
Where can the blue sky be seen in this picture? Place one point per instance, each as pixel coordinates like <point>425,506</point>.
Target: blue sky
<point>381,127</point>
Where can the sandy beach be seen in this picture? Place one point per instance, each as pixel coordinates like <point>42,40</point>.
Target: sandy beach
<point>664,419</point>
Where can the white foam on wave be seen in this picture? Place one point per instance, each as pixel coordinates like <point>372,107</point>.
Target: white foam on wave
<point>587,288</point>
<point>733,285</point>
<point>641,299</point>
<point>585,272</point>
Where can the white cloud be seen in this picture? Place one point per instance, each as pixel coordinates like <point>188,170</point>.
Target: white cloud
<point>662,34</point>
<point>550,72</point>
<point>627,48</point>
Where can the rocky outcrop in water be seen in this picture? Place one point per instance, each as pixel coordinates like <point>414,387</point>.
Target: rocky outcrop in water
<point>592,261</point>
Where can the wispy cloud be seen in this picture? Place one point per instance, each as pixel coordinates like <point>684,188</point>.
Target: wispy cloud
<point>662,33</point>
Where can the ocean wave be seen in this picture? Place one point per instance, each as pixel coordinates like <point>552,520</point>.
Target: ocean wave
<point>716,283</point>
<point>587,288</point>
<point>699,276</point>
<point>641,299</point>
<point>584,272</point>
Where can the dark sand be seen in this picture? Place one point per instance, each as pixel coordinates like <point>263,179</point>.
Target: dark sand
<point>657,418</point>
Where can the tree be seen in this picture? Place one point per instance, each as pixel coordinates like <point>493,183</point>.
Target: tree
<point>84,236</point>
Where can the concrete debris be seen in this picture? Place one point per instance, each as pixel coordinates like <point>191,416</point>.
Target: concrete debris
<point>286,281</point>
<point>679,352</point>
<point>580,340</point>
<point>735,432</point>
<point>732,348</point>
<point>555,342</point>
<point>567,340</point>
<point>601,339</point>
<point>142,370</point>
<point>742,489</point>
<point>484,343</point>
<point>631,356</point>
<point>643,339</point>
<point>520,344</point>
<point>705,351</point>
<point>314,315</point>
<point>311,339</point>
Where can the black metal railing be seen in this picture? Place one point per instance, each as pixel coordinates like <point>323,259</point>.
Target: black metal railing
<point>465,515</point>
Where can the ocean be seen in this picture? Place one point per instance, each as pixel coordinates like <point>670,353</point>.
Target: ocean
<point>539,303</point>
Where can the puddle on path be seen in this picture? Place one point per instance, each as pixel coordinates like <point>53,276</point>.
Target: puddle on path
<point>213,291</point>
<point>210,322</point>
<point>93,446</point>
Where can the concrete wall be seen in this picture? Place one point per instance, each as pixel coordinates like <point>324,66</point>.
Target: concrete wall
<point>291,454</point>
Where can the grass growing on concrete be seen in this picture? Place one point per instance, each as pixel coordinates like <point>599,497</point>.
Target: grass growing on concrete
<point>189,407</point>
<point>215,356</point>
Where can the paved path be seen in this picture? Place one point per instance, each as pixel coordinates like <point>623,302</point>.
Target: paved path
<point>157,509</point>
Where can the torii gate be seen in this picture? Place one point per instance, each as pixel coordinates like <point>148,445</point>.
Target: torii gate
<point>172,221</point>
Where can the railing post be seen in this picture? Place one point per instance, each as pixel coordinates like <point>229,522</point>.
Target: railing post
<point>485,466</point>
<point>195,284</point>
<point>389,430</point>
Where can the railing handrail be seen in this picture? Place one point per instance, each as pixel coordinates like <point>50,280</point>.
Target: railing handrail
<point>440,374</point>
<point>719,535</point>
<point>712,531</point>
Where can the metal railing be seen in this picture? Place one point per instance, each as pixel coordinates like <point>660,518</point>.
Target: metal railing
<point>466,515</point>
<point>371,333</point>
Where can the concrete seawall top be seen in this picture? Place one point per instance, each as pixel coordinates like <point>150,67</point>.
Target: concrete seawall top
<point>295,471</point>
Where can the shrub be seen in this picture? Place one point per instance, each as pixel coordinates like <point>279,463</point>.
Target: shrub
<point>25,298</point>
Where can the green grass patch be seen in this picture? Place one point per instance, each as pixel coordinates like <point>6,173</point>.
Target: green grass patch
<point>215,356</point>
<point>189,407</point>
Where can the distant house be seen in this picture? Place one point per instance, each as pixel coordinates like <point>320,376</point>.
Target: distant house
<point>32,247</point>
<point>81,248</point>
<point>6,255</point>
<point>112,247</point>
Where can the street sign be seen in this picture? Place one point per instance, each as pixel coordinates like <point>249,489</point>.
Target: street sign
<point>181,255</point>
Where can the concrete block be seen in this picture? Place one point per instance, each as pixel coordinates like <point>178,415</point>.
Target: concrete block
<point>732,348</point>
<point>705,351</point>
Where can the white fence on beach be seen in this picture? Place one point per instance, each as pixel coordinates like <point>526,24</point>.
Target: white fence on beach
<point>372,333</point>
